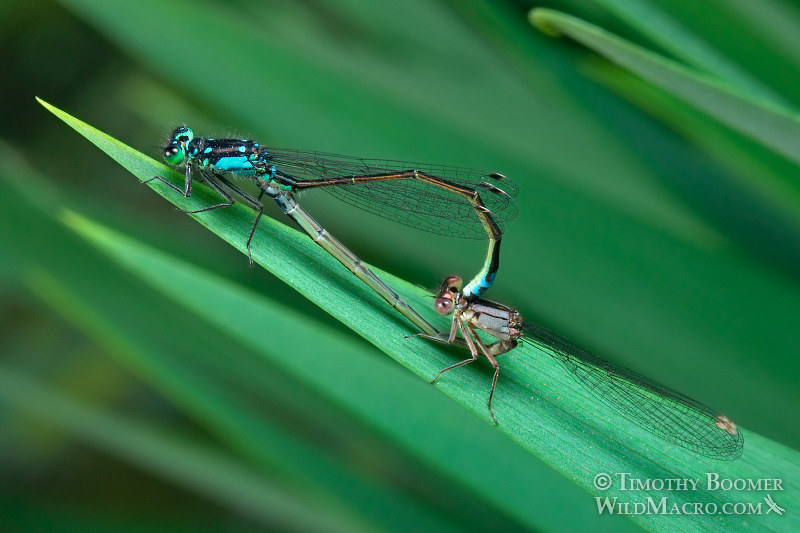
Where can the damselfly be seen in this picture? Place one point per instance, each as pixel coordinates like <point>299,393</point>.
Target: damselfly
<point>658,409</point>
<point>444,200</point>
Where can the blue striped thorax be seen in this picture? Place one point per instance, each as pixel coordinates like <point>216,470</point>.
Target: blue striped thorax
<point>236,156</point>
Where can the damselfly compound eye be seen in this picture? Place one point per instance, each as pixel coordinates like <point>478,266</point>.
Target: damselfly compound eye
<point>444,306</point>
<point>173,155</point>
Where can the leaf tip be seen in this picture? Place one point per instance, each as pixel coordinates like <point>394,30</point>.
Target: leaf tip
<point>50,107</point>
<point>540,19</point>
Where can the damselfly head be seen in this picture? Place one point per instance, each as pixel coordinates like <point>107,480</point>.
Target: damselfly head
<point>175,150</point>
<point>448,295</point>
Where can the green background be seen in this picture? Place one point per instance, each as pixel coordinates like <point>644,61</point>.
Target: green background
<point>651,230</point>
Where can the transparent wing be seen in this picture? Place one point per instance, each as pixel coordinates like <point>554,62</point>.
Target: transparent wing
<point>658,409</point>
<point>416,203</point>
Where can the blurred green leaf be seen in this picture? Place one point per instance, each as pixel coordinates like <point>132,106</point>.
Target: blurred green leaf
<point>647,17</point>
<point>759,205</point>
<point>775,127</point>
<point>188,463</point>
